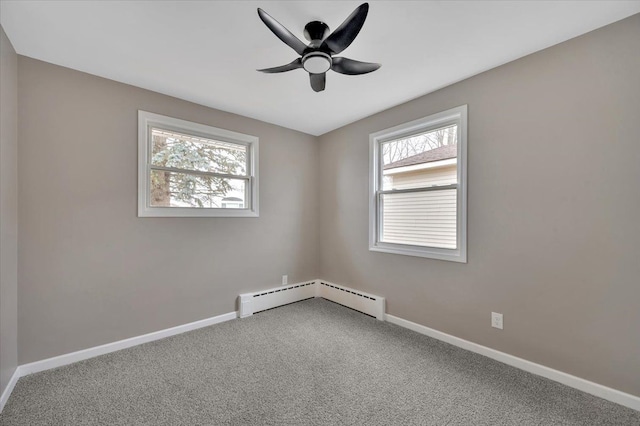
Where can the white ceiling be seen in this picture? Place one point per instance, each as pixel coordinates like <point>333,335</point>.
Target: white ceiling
<point>207,52</point>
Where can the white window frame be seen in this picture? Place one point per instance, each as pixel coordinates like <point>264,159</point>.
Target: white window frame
<point>147,120</point>
<point>457,116</point>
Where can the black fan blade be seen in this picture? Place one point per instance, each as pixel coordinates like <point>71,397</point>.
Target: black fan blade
<point>351,67</point>
<point>282,33</point>
<point>289,67</point>
<point>318,81</point>
<point>344,35</point>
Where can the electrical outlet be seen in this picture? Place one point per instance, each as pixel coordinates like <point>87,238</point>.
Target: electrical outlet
<point>496,320</point>
<point>285,279</point>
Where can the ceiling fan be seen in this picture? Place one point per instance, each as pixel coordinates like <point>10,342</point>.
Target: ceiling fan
<point>317,57</point>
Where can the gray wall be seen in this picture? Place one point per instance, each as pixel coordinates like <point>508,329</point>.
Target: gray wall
<point>90,271</point>
<point>8,210</point>
<point>554,208</point>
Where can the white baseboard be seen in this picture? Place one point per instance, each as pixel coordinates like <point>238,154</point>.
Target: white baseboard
<point>7,391</point>
<point>592,388</point>
<point>70,358</point>
<point>58,361</point>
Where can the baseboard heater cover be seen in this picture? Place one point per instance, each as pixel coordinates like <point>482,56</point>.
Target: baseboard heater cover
<point>354,299</point>
<point>251,303</point>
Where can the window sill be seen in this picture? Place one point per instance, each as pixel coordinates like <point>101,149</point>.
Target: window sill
<point>457,255</point>
<point>194,212</point>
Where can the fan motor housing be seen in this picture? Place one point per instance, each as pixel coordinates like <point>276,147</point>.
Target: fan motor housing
<point>316,30</point>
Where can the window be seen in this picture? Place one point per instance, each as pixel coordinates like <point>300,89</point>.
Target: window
<point>418,187</point>
<point>189,169</point>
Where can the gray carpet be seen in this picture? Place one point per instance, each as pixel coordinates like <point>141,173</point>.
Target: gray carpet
<point>309,363</point>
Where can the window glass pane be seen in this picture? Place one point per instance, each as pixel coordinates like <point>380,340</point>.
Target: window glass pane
<point>176,150</point>
<point>170,189</point>
<point>420,218</point>
<point>428,159</point>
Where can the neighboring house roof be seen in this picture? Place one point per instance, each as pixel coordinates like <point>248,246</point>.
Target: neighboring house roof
<point>441,153</point>
<point>232,199</point>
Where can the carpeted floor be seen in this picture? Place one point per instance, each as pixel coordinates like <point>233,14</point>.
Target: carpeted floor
<point>309,363</point>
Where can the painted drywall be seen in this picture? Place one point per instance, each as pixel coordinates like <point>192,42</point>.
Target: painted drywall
<point>8,210</point>
<point>92,272</point>
<point>553,195</point>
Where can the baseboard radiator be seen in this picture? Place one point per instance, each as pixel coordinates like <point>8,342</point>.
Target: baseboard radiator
<point>354,299</point>
<point>251,303</point>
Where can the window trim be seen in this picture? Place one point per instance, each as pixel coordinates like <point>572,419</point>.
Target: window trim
<point>422,125</point>
<point>149,119</point>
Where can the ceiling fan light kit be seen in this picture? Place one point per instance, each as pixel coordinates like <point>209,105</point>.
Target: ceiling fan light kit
<point>317,57</point>
<point>316,62</point>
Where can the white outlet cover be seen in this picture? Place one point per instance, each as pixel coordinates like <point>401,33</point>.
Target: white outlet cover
<point>285,279</point>
<point>496,320</point>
